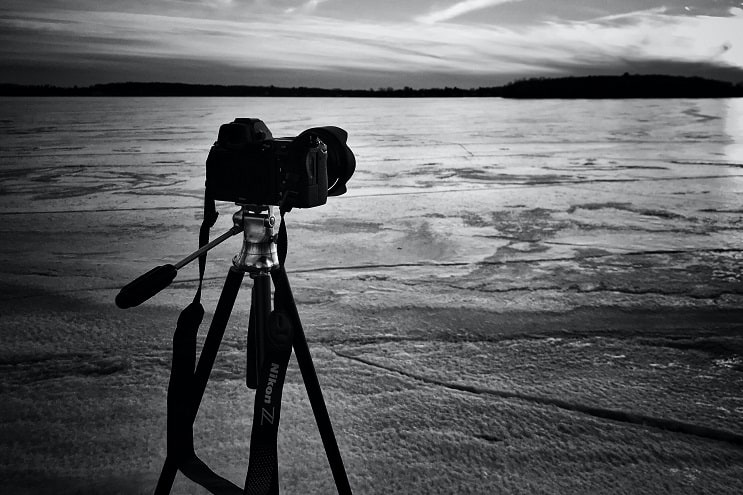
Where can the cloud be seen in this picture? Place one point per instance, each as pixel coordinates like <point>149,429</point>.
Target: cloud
<point>306,7</point>
<point>458,9</point>
<point>342,47</point>
<point>652,35</point>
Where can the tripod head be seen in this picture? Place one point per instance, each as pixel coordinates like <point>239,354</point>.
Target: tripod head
<point>260,227</point>
<point>259,254</point>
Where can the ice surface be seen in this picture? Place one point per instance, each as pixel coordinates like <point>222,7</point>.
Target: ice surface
<point>114,185</point>
<point>533,266</point>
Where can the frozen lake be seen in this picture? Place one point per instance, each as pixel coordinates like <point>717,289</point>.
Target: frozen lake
<point>102,188</point>
<point>513,296</point>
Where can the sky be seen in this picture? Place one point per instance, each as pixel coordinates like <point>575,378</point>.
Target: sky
<point>364,44</point>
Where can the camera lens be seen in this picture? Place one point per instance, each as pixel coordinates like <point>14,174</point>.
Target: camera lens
<point>341,161</point>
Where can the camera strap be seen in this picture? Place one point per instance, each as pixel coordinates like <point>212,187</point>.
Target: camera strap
<point>263,465</point>
<point>208,221</point>
<point>188,380</point>
<point>282,243</point>
<point>183,403</point>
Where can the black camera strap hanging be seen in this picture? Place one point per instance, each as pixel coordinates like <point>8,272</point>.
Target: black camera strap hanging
<point>210,216</point>
<point>184,393</point>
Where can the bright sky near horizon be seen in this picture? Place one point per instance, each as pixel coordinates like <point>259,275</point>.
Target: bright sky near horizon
<point>364,44</point>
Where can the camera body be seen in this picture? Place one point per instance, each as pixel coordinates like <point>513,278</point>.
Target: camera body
<point>247,165</point>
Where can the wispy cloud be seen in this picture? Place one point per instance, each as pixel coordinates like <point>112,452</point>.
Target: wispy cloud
<point>307,7</point>
<point>458,9</point>
<point>340,46</point>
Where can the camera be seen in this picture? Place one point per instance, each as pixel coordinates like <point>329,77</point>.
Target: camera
<point>247,165</point>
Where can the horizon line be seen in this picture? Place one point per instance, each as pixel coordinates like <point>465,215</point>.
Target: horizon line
<point>378,89</point>
<point>567,87</point>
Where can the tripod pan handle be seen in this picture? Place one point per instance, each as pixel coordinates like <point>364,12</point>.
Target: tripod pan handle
<point>146,286</point>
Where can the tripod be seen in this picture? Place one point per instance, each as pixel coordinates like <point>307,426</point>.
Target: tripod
<point>271,337</point>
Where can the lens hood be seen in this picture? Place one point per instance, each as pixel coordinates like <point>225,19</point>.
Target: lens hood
<point>341,161</point>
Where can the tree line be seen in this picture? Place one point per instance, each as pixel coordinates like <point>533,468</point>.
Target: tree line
<point>624,86</point>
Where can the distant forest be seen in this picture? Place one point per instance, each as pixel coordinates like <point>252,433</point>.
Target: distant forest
<point>625,86</point>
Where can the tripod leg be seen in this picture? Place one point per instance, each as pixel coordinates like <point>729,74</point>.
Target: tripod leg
<point>214,337</point>
<point>183,406</point>
<point>251,373</point>
<point>285,300</point>
<point>262,289</point>
<point>167,477</point>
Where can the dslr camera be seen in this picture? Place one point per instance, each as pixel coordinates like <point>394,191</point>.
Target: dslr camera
<point>247,165</point>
